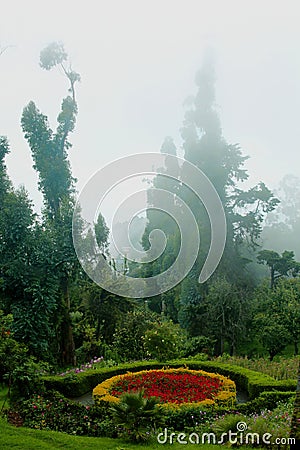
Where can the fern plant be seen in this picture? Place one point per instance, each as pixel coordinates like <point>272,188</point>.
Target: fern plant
<point>228,423</point>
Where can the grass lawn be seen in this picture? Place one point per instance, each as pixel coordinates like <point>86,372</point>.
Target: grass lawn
<point>27,439</point>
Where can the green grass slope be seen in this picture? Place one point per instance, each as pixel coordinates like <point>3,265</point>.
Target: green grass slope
<point>28,439</point>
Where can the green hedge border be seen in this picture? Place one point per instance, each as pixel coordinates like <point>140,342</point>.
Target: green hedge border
<point>253,383</point>
<point>188,416</point>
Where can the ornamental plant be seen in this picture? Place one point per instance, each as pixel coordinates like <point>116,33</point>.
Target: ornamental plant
<point>172,387</point>
<point>51,411</point>
<point>136,416</point>
<point>94,363</point>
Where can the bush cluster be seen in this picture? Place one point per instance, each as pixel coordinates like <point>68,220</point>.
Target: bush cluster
<point>275,423</point>
<point>52,411</point>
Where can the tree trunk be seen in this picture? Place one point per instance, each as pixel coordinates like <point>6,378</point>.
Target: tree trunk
<point>271,355</point>
<point>272,277</point>
<point>232,351</point>
<point>67,346</point>
<point>222,344</point>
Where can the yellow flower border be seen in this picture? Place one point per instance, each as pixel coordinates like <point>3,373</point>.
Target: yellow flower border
<point>226,397</point>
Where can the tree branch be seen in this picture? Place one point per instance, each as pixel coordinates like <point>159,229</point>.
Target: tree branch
<point>3,49</point>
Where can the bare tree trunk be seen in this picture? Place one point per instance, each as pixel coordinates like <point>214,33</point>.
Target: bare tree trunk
<point>67,340</point>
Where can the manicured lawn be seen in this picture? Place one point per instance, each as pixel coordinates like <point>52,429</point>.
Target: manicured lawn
<point>27,439</point>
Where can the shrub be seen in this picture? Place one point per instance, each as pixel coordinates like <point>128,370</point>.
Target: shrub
<point>199,345</point>
<point>267,400</point>
<point>164,341</point>
<point>20,371</point>
<point>128,338</point>
<point>54,412</point>
<point>11,352</point>
<point>295,431</point>
<point>190,416</point>
<point>86,341</point>
<point>26,379</point>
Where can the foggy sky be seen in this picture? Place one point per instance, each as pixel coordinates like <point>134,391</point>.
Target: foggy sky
<point>138,60</point>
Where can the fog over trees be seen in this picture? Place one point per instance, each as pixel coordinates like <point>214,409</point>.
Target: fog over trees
<point>63,316</point>
<point>149,216</point>
<point>149,221</point>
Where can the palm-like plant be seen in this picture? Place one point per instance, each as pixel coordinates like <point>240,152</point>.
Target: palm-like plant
<point>137,415</point>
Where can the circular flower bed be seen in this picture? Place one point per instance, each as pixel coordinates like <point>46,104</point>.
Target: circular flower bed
<point>173,387</point>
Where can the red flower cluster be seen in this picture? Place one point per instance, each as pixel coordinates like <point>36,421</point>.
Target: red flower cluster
<point>169,387</point>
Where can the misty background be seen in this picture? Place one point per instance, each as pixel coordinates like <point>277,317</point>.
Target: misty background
<point>138,62</point>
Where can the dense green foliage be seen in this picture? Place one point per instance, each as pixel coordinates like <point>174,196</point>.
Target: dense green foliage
<point>53,318</point>
<point>63,317</point>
